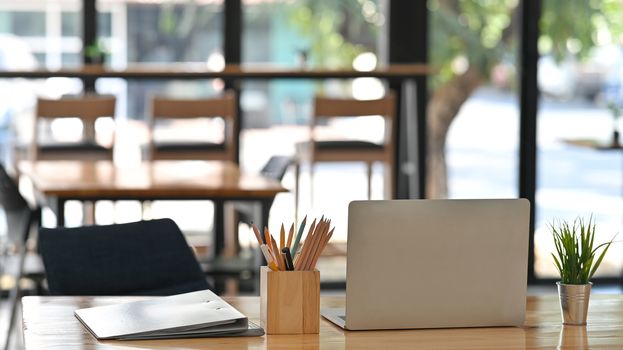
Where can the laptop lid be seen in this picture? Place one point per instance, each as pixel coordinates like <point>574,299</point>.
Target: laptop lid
<point>436,263</point>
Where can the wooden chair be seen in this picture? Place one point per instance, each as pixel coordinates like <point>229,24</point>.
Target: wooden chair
<point>171,109</point>
<point>88,109</point>
<point>351,150</point>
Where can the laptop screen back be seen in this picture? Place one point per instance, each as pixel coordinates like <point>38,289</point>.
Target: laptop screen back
<point>437,263</point>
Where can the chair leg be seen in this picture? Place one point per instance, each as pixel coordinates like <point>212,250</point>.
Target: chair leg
<point>88,212</point>
<point>231,221</point>
<point>146,210</point>
<point>388,177</point>
<point>311,184</point>
<point>369,173</point>
<point>14,296</point>
<point>297,172</point>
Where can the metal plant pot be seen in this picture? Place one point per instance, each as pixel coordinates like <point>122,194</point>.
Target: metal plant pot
<point>574,302</point>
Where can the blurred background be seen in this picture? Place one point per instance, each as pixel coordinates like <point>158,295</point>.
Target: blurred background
<point>472,108</point>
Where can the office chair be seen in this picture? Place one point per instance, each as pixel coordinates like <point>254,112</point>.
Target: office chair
<point>350,150</point>
<point>140,258</point>
<point>88,109</point>
<point>167,109</point>
<point>20,217</point>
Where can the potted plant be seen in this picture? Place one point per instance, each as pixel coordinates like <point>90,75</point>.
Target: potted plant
<point>96,52</point>
<point>576,260</point>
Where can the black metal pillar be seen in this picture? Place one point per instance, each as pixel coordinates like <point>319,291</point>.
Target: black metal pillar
<point>232,52</point>
<point>529,96</point>
<point>89,38</point>
<point>408,43</point>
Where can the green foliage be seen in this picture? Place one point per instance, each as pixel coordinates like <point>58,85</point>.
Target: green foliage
<point>333,27</point>
<point>486,32</point>
<point>575,254</point>
<point>96,51</point>
<point>574,27</point>
<point>478,31</point>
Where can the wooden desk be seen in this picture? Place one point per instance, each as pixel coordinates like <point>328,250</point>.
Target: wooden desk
<point>55,182</point>
<point>401,78</point>
<point>49,324</point>
<point>593,144</point>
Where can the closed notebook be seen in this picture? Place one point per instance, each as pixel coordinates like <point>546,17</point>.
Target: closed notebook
<point>195,314</point>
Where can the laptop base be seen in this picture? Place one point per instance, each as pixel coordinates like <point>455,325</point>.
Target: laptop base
<point>335,315</point>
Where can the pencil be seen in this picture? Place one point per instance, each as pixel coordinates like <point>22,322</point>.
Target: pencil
<point>282,239</point>
<point>297,240</point>
<point>290,234</point>
<point>306,245</point>
<point>277,254</point>
<point>297,257</point>
<point>267,238</point>
<point>258,235</point>
<point>319,237</point>
<point>309,245</point>
<point>314,245</point>
<point>323,244</point>
<point>269,258</point>
<point>273,249</point>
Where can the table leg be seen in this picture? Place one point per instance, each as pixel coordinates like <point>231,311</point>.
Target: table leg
<point>219,228</point>
<point>265,208</point>
<point>60,212</point>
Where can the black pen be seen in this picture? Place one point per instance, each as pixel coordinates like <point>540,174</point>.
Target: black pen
<point>287,257</point>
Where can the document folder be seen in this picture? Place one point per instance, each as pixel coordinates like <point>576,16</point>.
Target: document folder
<point>195,314</point>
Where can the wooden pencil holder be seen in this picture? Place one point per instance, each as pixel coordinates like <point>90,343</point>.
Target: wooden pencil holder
<point>290,301</point>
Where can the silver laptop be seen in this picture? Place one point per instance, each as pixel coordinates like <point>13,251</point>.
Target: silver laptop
<point>435,264</point>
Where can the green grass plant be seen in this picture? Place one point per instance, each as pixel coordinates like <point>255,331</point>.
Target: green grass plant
<point>576,256</point>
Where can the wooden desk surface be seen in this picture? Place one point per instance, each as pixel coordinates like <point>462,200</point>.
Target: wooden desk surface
<point>157,179</point>
<point>49,324</point>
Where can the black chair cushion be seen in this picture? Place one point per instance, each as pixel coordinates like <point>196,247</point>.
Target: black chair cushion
<point>73,147</point>
<point>188,146</point>
<point>141,258</point>
<point>348,145</point>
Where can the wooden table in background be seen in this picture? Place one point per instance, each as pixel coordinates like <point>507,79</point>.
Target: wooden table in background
<point>55,182</point>
<point>49,324</point>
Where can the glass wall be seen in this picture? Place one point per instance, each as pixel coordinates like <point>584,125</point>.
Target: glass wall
<point>304,34</point>
<point>48,31</point>
<point>473,109</point>
<point>309,34</point>
<point>579,165</point>
<point>35,34</point>
<point>188,32</point>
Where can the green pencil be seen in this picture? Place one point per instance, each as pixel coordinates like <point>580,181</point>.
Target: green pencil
<point>295,245</point>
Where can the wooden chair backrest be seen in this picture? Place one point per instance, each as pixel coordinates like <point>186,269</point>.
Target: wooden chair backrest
<point>87,108</point>
<point>224,107</point>
<point>326,108</point>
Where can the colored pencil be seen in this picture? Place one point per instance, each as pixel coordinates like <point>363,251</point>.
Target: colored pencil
<point>309,244</point>
<point>269,258</point>
<point>290,234</point>
<point>258,235</point>
<point>306,246</point>
<point>297,240</point>
<point>319,237</point>
<point>282,239</point>
<point>323,244</point>
<point>281,264</point>
<point>267,238</point>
